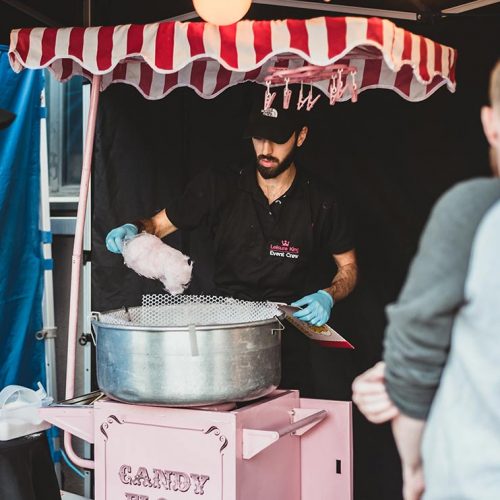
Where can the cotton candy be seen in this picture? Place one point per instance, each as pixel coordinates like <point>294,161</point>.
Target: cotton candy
<point>148,256</point>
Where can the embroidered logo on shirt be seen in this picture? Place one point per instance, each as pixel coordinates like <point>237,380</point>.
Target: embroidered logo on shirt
<point>284,250</point>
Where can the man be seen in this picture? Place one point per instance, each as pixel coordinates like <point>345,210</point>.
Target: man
<point>270,223</point>
<point>441,350</point>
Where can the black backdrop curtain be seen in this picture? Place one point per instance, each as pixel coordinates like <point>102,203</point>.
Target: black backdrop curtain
<point>390,160</point>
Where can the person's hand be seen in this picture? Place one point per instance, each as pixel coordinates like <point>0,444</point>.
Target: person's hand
<point>117,236</point>
<point>319,306</point>
<point>408,432</point>
<point>413,482</point>
<point>370,395</point>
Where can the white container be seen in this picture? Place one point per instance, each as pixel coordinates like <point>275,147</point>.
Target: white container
<point>19,411</point>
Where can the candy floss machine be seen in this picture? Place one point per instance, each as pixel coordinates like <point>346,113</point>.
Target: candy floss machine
<point>280,447</point>
<point>154,441</point>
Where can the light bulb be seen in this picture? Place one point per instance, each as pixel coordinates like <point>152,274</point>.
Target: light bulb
<point>221,12</point>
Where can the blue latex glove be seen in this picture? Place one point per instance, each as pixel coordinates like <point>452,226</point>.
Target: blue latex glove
<point>116,237</point>
<point>319,306</point>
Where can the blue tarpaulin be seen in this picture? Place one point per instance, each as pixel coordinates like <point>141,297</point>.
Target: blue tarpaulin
<point>21,260</point>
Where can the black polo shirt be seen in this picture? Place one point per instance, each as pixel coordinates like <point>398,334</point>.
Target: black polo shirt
<point>262,251</point>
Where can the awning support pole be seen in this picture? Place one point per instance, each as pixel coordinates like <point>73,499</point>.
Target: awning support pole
<point>345,9</point>
<point>466,7</point>
<point>76,263</point>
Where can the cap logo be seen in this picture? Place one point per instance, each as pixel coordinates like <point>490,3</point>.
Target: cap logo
<point>270,112</point>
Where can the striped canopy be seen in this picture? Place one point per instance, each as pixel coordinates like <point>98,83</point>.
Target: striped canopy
<point>156,58</point>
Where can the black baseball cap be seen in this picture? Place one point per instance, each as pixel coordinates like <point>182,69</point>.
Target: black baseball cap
<point>275,124</point>
<point>6,118</point>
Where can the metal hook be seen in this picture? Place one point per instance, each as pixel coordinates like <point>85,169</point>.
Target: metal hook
<point>274,330</point>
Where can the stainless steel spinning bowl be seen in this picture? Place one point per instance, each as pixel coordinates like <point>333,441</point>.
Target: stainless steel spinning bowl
<point>188,366</point>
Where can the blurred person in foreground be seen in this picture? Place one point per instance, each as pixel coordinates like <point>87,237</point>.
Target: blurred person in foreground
<point>440,379</point>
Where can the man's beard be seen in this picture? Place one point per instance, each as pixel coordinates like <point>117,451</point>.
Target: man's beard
<point>273,172</point>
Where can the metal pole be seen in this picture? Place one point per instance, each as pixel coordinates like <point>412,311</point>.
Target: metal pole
<point>87,238</point>
<point>87,13</point>
<point>77,263</point>
<point>466,7</point>
<point>345,9</point>
<point>49,329</point>
<point>184,17</point>
<point>87,296</point>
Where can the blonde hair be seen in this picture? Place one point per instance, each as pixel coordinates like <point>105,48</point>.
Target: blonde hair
<point>495,87</point>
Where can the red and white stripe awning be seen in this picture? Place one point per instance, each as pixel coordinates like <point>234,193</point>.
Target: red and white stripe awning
<point>156,58</point>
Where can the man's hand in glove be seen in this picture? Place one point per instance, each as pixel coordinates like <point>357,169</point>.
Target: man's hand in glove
<point>319,306</point>
<point>117,236</point>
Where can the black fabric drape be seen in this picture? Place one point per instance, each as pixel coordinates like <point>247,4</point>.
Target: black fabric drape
<point>26,469</point>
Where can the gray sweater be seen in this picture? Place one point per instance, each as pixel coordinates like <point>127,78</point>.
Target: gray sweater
<point>417,338</point>
<point>461,442</point>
